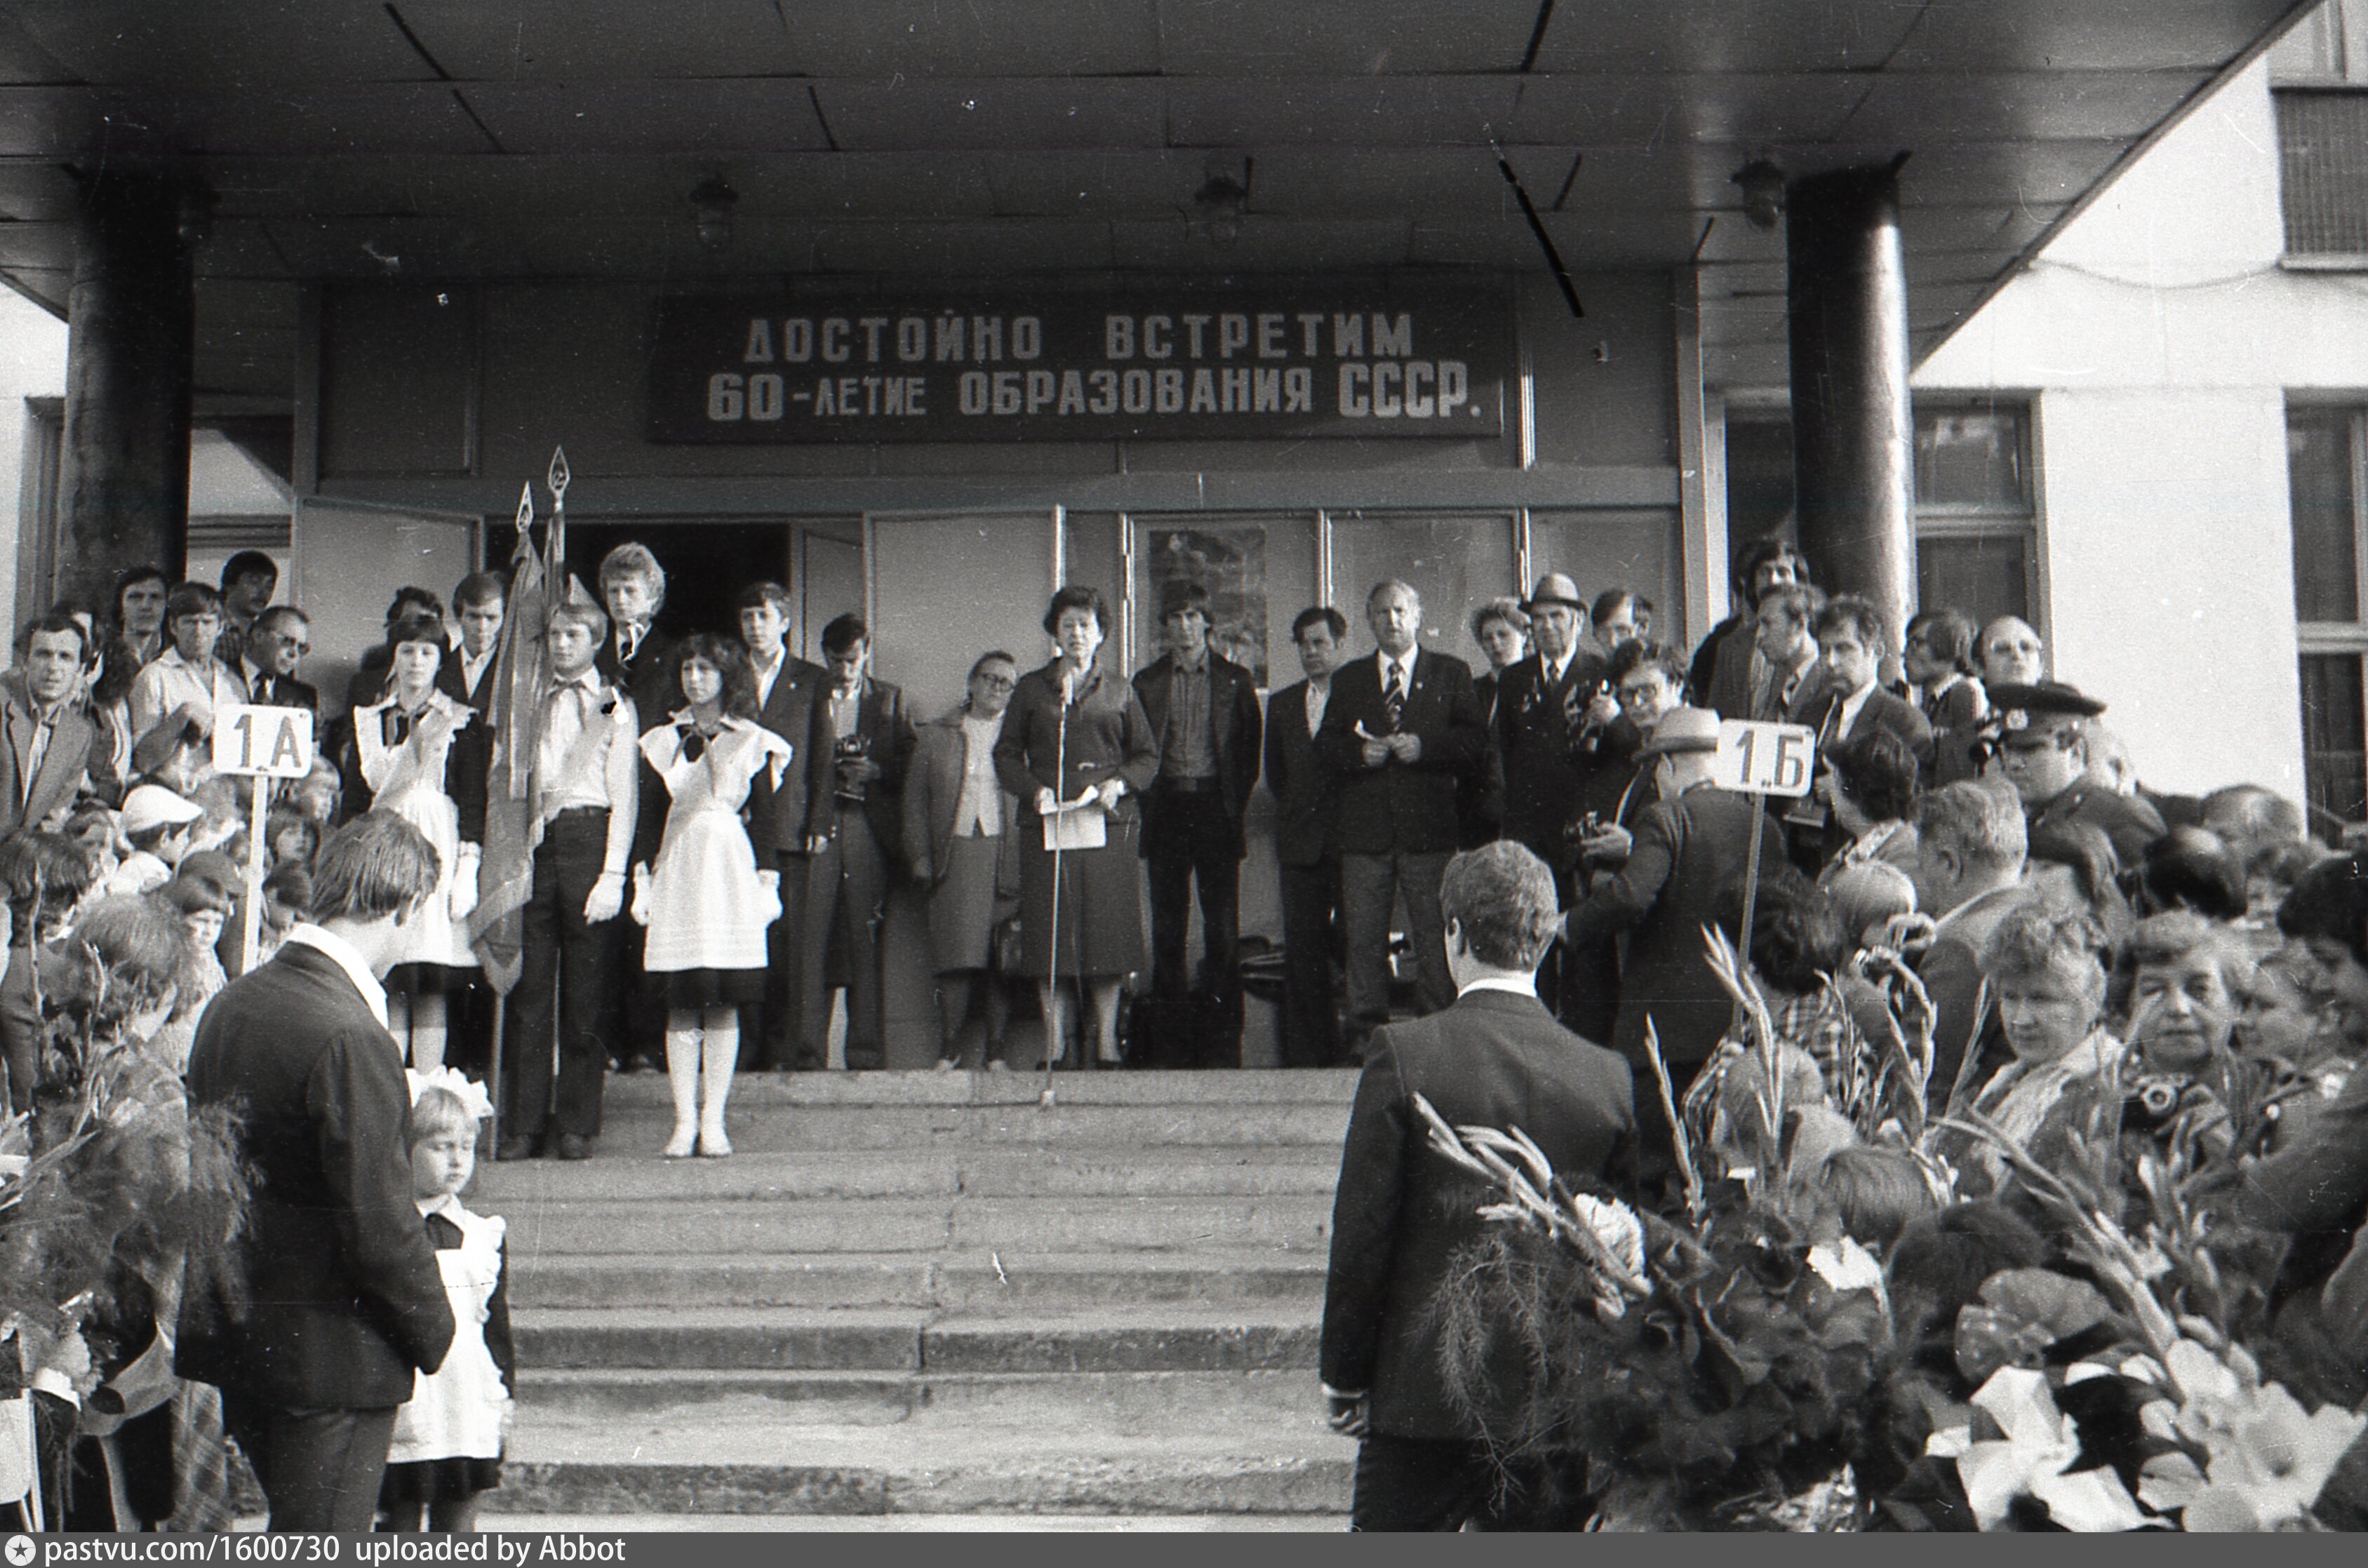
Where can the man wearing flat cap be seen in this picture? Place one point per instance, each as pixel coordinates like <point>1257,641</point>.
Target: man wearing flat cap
<point>1204,709</point>
<point>1553,709</point>
<point>2047,760</point>
<point>1688,845</point>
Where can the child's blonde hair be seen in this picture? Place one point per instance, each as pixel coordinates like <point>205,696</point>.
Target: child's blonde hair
<point>437,1112</point>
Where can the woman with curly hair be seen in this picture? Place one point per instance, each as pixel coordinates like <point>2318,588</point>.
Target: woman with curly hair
<point>704,900</point>
<point>2045,964</point>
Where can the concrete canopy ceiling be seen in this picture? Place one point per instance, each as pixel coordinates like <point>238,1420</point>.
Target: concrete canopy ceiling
<point>521,140</point>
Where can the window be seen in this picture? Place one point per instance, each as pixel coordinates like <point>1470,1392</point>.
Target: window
<point>1975,545</point>
<point>2325,450</point>
<point>1975,538</point>
<point>2322,163</point>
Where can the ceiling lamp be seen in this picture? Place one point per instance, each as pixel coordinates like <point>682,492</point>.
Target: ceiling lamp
<point>1223,199</point>
<point>1763,192</point>
<point>712,200</point>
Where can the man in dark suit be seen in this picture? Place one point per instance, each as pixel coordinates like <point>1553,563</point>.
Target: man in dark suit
<point>786,686</point>
<point>1495,1058</point>
<point>1842,701</point>
<point>279,637</point>
<point>1970,847</point>
<point>1686,848</point>
<point>638,659</point>
<point>249,578</point>
<point>344,1299</point>
<point>1554,714</point>
<point>480,604</point>
<point>855,776</point>
<point>1204,709</point>
<point>45,755</point>
<point>1401,729</point>
<point>1307,843</point>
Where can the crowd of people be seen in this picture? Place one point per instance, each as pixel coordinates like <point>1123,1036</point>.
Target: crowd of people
<point>716,825</point>
<point>2187,973</point>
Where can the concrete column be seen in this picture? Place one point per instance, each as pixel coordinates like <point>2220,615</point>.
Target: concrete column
<point>1853,433</point>
<point>123,487</point>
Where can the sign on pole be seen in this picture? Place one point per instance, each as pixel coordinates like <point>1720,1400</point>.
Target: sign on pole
<point>1760,758</point>
<point>260,743</point>
<point>273,743</point>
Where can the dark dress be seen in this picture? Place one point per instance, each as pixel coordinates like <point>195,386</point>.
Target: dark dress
<point>1101,897</point>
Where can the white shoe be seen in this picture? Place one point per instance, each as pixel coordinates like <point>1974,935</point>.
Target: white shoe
<point>714,1145</point>
<point>681,1146</point>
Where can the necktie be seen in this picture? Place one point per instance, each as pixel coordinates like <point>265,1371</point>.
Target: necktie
<point>1393,696</point>
<point>1572,715</point>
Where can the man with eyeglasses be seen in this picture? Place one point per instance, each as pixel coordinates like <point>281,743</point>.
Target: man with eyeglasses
<point>279,637</point>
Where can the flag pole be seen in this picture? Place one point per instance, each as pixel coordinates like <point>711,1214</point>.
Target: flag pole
<point>504,658</point>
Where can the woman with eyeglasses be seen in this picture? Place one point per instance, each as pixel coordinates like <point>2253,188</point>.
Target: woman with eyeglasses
<point>704,898</point>
<point>960,829</point>
<point>420,754</point>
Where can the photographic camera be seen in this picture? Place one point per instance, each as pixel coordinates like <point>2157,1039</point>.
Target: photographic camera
<point>850,750</point>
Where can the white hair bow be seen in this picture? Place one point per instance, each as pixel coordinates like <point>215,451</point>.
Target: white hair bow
<point>468,1091</point>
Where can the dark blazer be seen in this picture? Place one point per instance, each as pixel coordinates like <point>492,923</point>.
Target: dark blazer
<point>789,713</point>
<point>1951,969</point>
<point>284,691</point>
<point>1300,784</point>
<point>2127,821</point>
<point>1397,809</point>
<point>882,720</point>
<point>1684,852</point>
<point>345,1299</point>
<point>449,680</point>
<point>1818,703</point>
<point>648,681</point>
<point>1547,764</point>
<point>933,786</point>
<point>1235,728</point>
<point>72,738</point>
<point>1402,1212</point>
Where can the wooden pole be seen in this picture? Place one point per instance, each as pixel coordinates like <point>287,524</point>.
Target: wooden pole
<point>252,927</point>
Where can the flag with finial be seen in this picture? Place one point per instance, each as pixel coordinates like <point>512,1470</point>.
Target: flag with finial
<point>513,714</point>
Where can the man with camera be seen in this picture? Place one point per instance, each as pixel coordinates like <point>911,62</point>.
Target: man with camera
<point>855,776</point>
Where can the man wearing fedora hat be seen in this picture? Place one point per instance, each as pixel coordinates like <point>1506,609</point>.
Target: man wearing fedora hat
<point>1204,709</point>
<point>1686,848</point>
<point>1551,712</point>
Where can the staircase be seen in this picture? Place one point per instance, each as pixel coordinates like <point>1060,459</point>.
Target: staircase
<point>914,1293</point>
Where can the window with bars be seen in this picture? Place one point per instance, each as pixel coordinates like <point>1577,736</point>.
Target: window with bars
<point>2323,166</point>
<point>1976,547</point>
<point>2326,448</point>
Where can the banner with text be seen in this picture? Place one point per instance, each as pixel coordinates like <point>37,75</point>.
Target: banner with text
<point>1275,360</point>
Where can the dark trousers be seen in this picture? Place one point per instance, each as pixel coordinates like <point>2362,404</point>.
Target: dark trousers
<point>774,1046</point>
<point>846,896</point>
<point>1427,1484</point>
<point>569,973</point>
<point>319,1470</point>
<point>1190,837</point>
<point>1369,884</point>
<point>20,1029</point>
<point>1311,905</point>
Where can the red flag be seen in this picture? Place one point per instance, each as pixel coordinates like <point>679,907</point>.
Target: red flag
<point>505,875</point>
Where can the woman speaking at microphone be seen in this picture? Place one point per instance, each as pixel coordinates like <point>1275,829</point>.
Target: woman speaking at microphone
<point>1075,749</point>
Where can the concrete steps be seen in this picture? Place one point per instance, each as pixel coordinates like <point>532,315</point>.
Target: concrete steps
<point>922,1293</point>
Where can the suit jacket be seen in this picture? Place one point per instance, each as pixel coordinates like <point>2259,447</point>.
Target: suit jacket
<point>1234,727</point>
<point>1951,971</point>
<point>452,681</point>
<point>879,718</point>
<point>1399,807</point>
<point>648,681</point>
<point>1402,1212</point>
<point>345,1299</point>
<point>1548,766</point>
<point>2128,822</point>
<point>1684,852</point>
<point>1818,703</point>
<point>286,691</point>
<point>933,786</point>
<point>789,713</point>
<point>53,790</point>
<point>1300,784</point>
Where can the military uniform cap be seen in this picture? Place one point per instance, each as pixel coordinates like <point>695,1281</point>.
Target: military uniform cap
<point>2045,699</point>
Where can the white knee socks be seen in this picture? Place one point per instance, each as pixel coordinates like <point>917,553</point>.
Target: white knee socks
<point>721,1053</point>
<point>682,1076</point>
